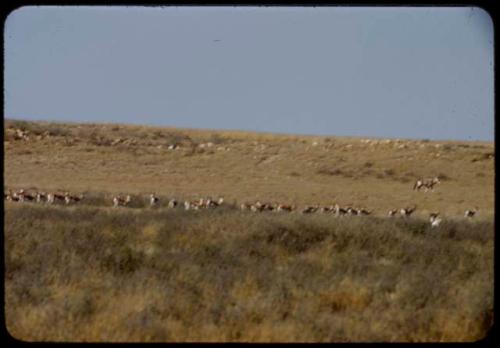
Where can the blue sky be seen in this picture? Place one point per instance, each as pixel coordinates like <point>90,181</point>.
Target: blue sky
<point>349,71</point>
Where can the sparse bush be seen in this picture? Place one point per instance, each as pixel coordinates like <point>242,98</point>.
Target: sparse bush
<point>244,274</point>
<point>57,131</point>
<point>217,139</point>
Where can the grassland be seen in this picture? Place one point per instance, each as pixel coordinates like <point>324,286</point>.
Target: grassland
<point>94,273</point>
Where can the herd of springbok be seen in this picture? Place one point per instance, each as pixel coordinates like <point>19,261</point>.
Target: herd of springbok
<point>206,203</point>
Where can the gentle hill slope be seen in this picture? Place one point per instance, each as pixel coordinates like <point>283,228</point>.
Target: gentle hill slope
<point>242,166</point>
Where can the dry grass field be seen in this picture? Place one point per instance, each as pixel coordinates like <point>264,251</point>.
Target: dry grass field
<point>90,272</point>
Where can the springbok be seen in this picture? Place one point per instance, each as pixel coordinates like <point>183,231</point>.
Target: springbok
<point>53,197</point>
<point>118,200</point>
<point>172,203</point>
<point>70,198</point>
<point>284,207</point>
<point>11,196</point>
<point>470,213</point>
<point>213,204</point>
<point>392,212</point>
<point>245,206</point>
<point>364,211</point>
<point>434,219</point>
<point>25,196</point>
<point>309,209</point>
<point>40,196</point>
<point>327,209</point>
<point>50,198</point>
<point>427,184</point>
<point>153,200</point>
<point>339,211</point>
<point>192,205</point>
<point>406,212</point>
<point>256,207</point>
<point>352,211</point>
<point>267,206</point>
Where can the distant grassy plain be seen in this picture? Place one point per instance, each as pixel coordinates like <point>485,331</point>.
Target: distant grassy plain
<point>94,273</point>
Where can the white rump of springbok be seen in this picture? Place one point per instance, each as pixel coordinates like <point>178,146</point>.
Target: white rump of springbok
<point>434,219</point>
<point>153,200</point>
<point>470,213</point>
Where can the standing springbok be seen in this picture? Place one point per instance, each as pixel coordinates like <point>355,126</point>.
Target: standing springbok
<point>327,209</point>
<point>339,211</point>
<point>153,200</point>
<point>392,212</point>
<point>245,206</point>
<point>352,211</point>
<point>40,197</point>
<point>427,184</point>
<point>309,209</point>
<point>70,198</point>
<point>192,205</point>
<point>213,204</point>
<point>23,196</point>
<point>470,213</point>
<point>406,212</point>
<point>118,200</point>
<point>172,203</point>
<point>285,207</point>
<point>256,207</point>
<point>53,197</point>
<point>364,211</point>
<point>12,196</point>
<point>434,219</point>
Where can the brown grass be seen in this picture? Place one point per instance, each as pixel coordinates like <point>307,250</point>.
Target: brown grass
<point>241,166</point>
<point>103,274</point>
<point>93,273</point>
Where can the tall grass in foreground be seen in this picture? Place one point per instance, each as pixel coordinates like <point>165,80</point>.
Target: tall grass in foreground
<point>98,274</point>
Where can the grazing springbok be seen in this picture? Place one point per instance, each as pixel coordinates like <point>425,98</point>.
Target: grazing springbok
<point>434,219</point>
<point>70,198</point>
<point>309,209</point>
<point>364,211</point>
<point>427,184</point>
<point>118,200</point>
<point>192,205</point>
<point>23,196</point>
<point>392,212</point>
<point>470,213</point>
<point>40,197</point>
<point>53,197</point>
<point>267,206</point>
<point>352,211</point>
<point>172,203</point>
<point>327,209</point>
<point>153,200</point>
<point>258,206</point>
<point>212,204</point>
<point>285,207</point>
<point>11,196</point>
<point>339,211</point>
<point>245,206</point>
<point>406,212</point>
<point>8,195</point>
